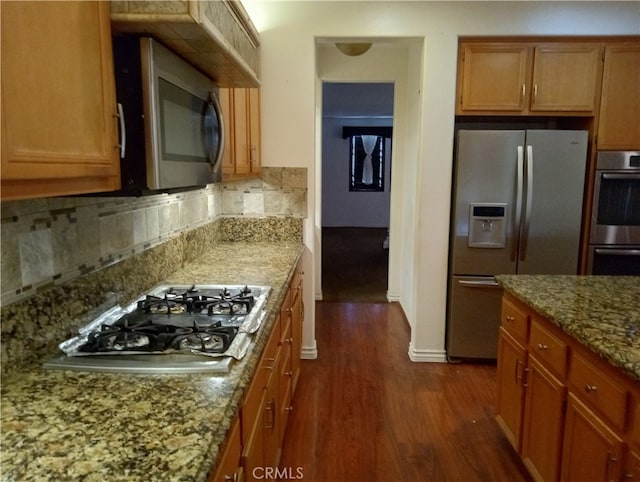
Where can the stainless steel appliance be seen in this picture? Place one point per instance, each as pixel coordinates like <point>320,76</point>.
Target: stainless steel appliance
<point>170,116</point>
<point>614,243</point>
<point>517,208</point>
<point>172,329</point>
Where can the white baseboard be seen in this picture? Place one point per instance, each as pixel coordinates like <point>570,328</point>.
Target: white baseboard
<point>428,356</point>
<point>309,352</point>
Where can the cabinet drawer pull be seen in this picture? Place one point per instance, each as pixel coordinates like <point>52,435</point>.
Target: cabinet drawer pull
<point>510,318</point>
<point>590,388</point>
<point>542,347</point>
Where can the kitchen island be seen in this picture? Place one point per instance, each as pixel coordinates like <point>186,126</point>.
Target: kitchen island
<point>568,375</point>
<point>600,312</point>
<point>69,425</point>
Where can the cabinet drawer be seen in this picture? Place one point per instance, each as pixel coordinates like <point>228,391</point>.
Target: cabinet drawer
<point>551,351</point>
<point>514,321</point>
<point>596,388</point>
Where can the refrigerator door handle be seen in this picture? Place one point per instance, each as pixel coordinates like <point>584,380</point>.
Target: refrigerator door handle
<point>479,284</point>
<point>528,204</point>
<point>518,210</point>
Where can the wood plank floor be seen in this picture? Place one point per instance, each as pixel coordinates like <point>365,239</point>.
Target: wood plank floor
<point>364,412</point>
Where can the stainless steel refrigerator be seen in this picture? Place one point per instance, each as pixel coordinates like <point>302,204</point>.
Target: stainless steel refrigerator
<point>517,208</point>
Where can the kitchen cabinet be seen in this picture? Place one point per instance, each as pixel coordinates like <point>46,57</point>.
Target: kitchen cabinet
<point>228,467</point>
<point>241,114</point>
<point>592,451</point>
<point>59,114</point>
<point>511,364</point>
<point>565,410</point>
<point>619,122</point>
<point>268,401</point>
<point>217,36</point>
<point>527,78</point>
<point>260,427</point>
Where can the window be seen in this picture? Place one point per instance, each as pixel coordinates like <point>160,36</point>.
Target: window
<point>366,161</point>
<point>367,149</point>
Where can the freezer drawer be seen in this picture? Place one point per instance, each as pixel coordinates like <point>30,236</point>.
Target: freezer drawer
<point>473,317</point>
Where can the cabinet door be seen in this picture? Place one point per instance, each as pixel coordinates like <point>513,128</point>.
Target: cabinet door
<point>619,125</point>
<point>493,77</point>
<point>297,315</point>
<point>228,466</point>
<point>566,77</point>
<point>591,451</point>
<point>511,387</point>
<point>255,152</point>
<point>241,125</point>
<point>225,97</point>
<point>253,456</point>
<point>543,423</point>
<point>58,99</point>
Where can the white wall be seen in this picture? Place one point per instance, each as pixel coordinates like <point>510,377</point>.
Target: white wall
<point>292,35</point>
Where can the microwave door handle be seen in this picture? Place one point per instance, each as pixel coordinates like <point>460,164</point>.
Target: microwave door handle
<point>123,131</point>
<point>518,210</point>
<point>528,203</point>
<point>209,120</point>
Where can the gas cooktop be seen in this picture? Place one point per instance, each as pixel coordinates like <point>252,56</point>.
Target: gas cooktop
<point>171,329</point>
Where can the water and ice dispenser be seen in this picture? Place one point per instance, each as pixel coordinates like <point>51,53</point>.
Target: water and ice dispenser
<point>487,225</point>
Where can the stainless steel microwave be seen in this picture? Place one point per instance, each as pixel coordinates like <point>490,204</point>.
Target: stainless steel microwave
<point>172,131</point>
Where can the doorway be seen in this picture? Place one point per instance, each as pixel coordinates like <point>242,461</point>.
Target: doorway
<point>357,122</point>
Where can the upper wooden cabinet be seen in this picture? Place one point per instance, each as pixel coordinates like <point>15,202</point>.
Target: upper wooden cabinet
<point>217,36</point>
<point>241,114</point>
<point>493,77</point>
<point>619,124</point>
<point>59,125</point>
<point>522,78</point>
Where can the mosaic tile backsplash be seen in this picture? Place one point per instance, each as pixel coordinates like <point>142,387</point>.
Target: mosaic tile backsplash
<point>46,242</point>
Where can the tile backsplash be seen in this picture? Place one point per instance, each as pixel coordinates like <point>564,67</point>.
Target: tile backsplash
<point>53,240</point>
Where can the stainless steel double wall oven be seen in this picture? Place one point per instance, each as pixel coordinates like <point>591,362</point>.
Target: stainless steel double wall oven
<point>614,245</point>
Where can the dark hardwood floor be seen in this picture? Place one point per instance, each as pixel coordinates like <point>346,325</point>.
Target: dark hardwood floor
<point>364,412</point>
<point>354,264</point>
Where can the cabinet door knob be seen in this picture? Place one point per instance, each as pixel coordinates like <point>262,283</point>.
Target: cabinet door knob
<point>542,347</point>
<point>590,388</point>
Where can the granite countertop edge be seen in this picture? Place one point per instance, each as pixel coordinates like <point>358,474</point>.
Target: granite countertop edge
<point>602,313</point>
<point>171,426</point>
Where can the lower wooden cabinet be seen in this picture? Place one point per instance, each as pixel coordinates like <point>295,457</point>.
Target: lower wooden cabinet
<point>592,451</point>
<point>543,422</point>
<point>268,400</point>
<point>511,365</point>
<point>570,415</point>
<point>229,468</point>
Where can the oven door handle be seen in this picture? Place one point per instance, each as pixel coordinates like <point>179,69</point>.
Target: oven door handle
<point>620,176</point>
<point>479,284</point>
<point>618,251</point>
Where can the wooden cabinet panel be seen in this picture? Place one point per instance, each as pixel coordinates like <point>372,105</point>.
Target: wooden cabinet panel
<point>599,391</point>
<point>528,78</point>
<point>228,466</point>
<point>619,123</point>
<point>591,451</point>
<point>515,321</point>
<point>511,371</point>
<point>543,422</point>
<point>58,100</point>
<point>493,77</point>
<point>241,111</point>
<point>566,77</point>
<point>550,350</point>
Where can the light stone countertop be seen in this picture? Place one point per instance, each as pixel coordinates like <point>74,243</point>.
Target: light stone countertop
<point>600,312</point>
<point>68,425</point>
